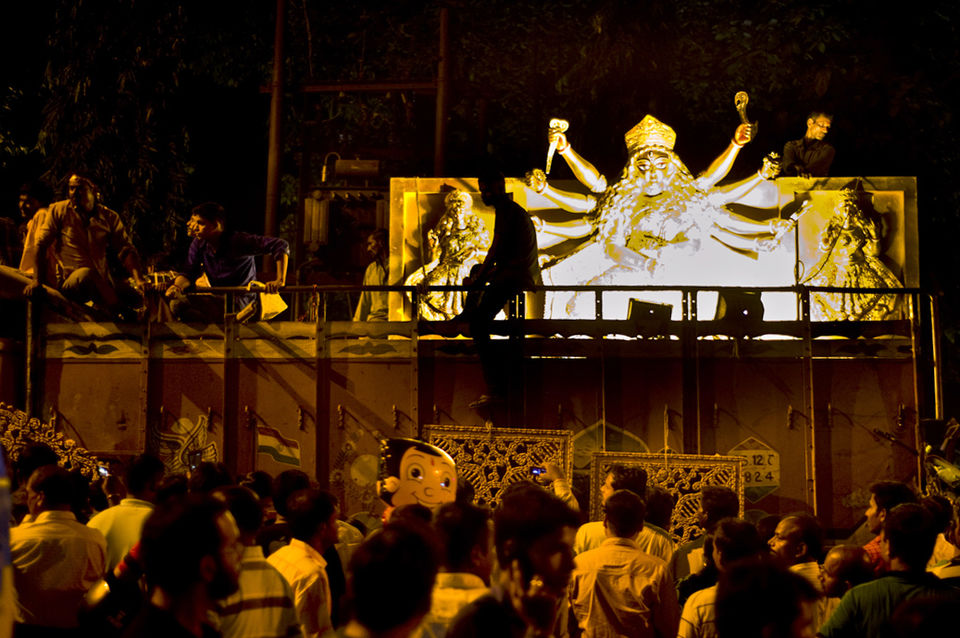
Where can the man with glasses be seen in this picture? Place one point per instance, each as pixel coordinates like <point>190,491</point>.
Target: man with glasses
<point>810,156</point>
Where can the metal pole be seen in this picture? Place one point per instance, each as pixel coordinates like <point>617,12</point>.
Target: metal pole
<point>276,114</point>
<point>935,347</point>
<point>443,78</point>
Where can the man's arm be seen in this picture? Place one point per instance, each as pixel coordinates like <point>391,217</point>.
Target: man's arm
<point>280,281</point>
<point>312,600</point>
<point>483,272</point>
<point>46,234</point>
<point>125,250</point>
<point>791,160</point>
<point>820,165</point>
<point>561,486</point>
<point>191,272</point>
<point>667,609</point>
<point>366,299</point>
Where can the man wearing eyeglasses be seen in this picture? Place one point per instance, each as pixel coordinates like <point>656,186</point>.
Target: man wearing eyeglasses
<point>810,156</point>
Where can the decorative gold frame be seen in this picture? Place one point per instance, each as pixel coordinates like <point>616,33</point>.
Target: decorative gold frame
<point>682,474</point>
<point>17,430</point>
<point>490,459</point>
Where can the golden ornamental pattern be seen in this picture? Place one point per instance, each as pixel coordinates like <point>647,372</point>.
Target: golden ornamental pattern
<point>17,430</point>
<point>683,475</point>
<point>490,459</point>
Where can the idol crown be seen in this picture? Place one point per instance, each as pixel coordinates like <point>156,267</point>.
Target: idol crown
<point>650,132</point>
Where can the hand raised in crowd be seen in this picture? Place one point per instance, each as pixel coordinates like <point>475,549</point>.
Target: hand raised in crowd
<point>552,472</point>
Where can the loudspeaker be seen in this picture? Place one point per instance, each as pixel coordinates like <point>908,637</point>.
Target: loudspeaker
<point>739,305</point>
<point>651,319</point>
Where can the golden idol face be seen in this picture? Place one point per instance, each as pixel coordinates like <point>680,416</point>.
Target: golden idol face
<point>653,170</point>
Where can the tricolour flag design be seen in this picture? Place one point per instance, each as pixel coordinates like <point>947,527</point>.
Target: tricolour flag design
<point>283,450</point>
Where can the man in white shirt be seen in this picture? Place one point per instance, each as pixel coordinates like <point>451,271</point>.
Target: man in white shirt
<point>592,534</point>
<point>121,524</point>
<point>55,559</point>
<point>619,590</point>
<point>798,544</point>
<point>313,530</point>
<point>373,303</point>
<point>263,605</point>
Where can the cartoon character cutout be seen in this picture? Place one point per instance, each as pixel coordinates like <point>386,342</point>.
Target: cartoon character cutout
<point>412,471</point>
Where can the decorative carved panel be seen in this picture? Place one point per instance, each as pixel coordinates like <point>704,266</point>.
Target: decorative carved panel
<point>17,430</point>
<point>684,475</point>
<point>490,459</point>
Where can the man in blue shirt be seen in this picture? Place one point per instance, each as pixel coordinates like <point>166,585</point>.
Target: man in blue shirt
<point>226,258</point>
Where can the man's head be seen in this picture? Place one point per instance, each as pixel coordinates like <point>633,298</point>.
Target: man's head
<point>533,535</point>
<point>245,507</point>
<point>377,243</point>
<point>208,476</point>
<point>207,221</point>
<point>32,456</point>
<point>660,503</point>
<point>623,514</point>
<point>192,546</point>
<point>909,534</point>
<point>717,502</point>
<point>286,483</point>
<point>735,539</point>
<point>621,477</point>
<point>942,510</point>
<point>144,475</point>
<point>797,539</point>
<point>313,518</point>
<point>464,532</point>
<point>33,197</point>
<point>884,496</point>
<point>844,567</point>
<point>760,599</point>
<point>391,578</point>
<point>50,488</point>
<point>82,192</point>
<point>492,185</point>
<point>818,125</point>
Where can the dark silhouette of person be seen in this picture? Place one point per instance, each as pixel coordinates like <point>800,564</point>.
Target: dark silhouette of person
<point>510,266</point>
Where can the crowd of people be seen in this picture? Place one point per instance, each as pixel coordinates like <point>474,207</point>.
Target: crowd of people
<point>152,554</point>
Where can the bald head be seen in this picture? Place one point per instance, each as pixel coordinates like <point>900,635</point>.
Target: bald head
<point>797,539</point>
<point>844,567</point>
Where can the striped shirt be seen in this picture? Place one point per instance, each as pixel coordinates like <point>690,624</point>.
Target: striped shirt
<point>263,606</point>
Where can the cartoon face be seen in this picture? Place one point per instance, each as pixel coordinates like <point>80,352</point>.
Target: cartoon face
<point>426,479</point>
